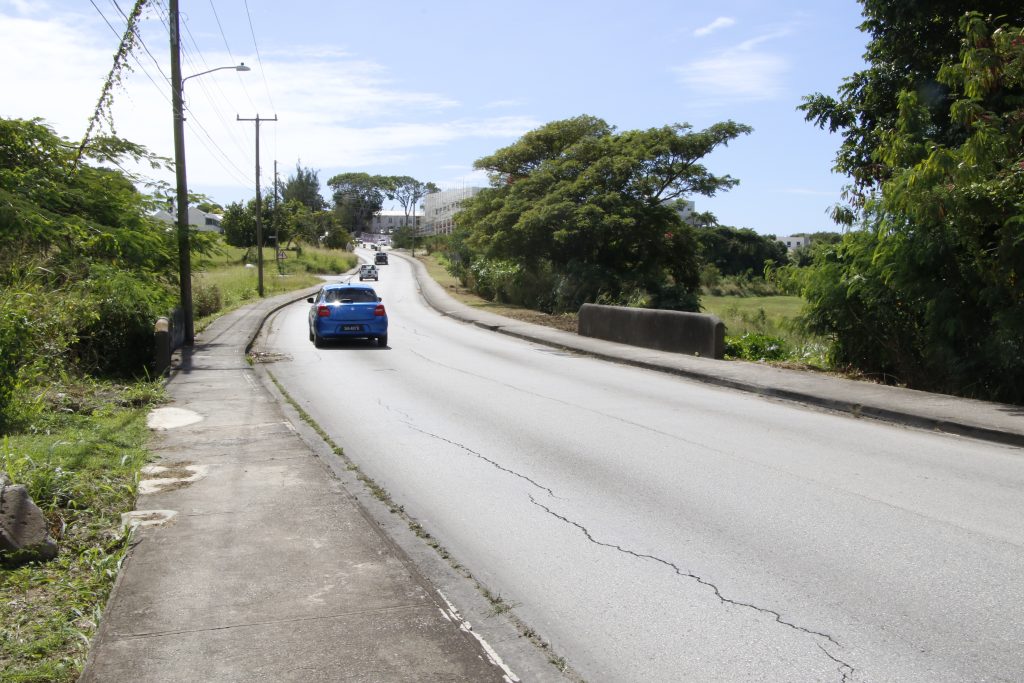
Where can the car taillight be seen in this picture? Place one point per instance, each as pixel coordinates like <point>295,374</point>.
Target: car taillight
<point>323,311</point>
<point>379,311</point>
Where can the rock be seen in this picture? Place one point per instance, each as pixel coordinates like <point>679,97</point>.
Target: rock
<point>24,535</point>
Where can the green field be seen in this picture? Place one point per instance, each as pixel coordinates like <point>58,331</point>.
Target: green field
<point>771,315</point>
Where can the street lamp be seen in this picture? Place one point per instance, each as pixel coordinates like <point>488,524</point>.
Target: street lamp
<point>178,97</point>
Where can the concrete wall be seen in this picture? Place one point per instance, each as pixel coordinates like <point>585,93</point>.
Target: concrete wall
<point>694,334</point>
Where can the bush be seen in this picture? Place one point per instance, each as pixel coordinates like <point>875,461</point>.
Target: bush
<point>115,312</point>
<point>756,347</point>
<point>33,342</point>
<point>206,298</point>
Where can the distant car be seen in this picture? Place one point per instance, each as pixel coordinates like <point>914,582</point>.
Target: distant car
<point>373,246</point>
<point>381,258</point>
<point>368,271</point>
<point>347,311</point>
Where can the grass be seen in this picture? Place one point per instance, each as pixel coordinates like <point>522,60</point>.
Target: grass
<point>772,315</point>
<point>80,460</point>
<point>436,270</point>
<point>227,280</point>
<point>754,324</point>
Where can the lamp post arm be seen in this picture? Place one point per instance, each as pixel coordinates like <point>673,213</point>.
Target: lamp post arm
<point>240,67</point>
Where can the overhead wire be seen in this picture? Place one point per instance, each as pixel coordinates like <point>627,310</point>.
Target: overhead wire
<point>224,160</point>
<point>263,72</point>
<point>259,58</point>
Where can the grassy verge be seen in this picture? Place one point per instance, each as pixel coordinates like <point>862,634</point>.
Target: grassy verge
<point>758,328</point>
<point>435,268</point>
<point>79,459</point>
<point>227,280</point>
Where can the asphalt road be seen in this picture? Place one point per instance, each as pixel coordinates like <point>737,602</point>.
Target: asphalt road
<point>652,528</point>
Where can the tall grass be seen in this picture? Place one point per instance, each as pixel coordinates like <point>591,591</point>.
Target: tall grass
<point>226,280</point>
<point>79,461</point>
<point>765,328</point>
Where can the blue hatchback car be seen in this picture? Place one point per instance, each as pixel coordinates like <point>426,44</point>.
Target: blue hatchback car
<point>347,311</point>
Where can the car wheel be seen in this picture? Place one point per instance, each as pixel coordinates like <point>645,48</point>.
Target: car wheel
<point>311,336</point>
<point>382,341</point>
<point>318,341</point>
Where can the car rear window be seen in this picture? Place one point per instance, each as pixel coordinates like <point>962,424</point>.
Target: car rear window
<point>333,296</point>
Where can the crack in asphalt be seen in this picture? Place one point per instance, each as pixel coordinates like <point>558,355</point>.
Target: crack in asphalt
<point>483,457</point>
<point>844,668</point>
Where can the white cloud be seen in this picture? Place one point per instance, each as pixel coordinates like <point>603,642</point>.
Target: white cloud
<point>720,22</point>
<point>743,73</point>
<point>503,104</point>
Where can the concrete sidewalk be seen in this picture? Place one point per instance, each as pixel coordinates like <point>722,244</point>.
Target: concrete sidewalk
<point>266,568</point>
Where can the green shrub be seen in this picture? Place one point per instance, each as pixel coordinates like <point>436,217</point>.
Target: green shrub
<point>756,347</point>
<point>33,342</point>
<point>206,298</point>
<point>115,312</point>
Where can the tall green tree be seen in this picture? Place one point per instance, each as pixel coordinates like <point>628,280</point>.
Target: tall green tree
<point>239,224</point>
<point>588,209</point>
<point>931,292</point>
<point>908,42</point>
<point>735,251</point>
<point>357,197</point>
<point>408,192</point>
<point>304,187</point>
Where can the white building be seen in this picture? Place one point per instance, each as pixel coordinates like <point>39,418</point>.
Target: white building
<point>200,220</point>
<point>386,221</point>
<point>795,241</point>
<point>439,209</point>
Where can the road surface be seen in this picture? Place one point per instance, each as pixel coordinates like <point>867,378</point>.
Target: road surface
<point>656,529</point>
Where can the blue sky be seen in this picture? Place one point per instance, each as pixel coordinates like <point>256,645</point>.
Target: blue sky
<point>425,89</point>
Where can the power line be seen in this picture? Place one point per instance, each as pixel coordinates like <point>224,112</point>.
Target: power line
<point>194,123</point>
<point>259,59</point>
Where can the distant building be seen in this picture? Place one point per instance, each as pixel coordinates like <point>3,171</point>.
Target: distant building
<point>795,241</point>
<point>439,209</point>
<point>686,209</point>
<point>200,220</point>
<point>385,222</point>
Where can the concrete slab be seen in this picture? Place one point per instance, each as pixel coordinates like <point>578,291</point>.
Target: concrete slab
<point>363,647</point>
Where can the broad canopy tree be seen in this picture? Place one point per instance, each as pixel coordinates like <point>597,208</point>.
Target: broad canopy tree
<point>357,197</point>
<point>578,212</point>
<point>408,192</point>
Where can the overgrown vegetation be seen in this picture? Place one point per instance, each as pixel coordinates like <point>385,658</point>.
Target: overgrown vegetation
<point>929,291</point>
<point>79,451</point>
<point>84,274</point>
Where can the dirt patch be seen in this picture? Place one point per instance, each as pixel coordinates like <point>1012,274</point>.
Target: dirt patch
<point>267,357</point>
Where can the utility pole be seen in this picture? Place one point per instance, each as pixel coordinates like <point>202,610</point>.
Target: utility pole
<point>177,102</point>
<point>277,221</point>
<point>259,208</point>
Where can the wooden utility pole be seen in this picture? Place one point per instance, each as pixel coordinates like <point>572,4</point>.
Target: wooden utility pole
<point>259,207</point>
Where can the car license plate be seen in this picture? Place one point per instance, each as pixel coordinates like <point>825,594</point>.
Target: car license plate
<point>351,328</point>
